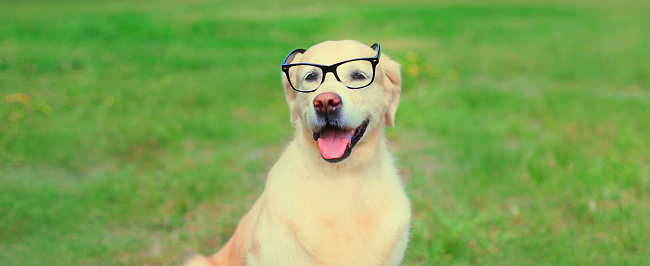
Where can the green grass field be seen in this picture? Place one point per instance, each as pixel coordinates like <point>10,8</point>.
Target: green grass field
<point>137,132</point>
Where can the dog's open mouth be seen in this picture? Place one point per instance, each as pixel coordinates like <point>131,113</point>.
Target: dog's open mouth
<point>335,143</point>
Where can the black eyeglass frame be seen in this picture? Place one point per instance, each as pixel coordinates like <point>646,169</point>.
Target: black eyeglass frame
<point>331,68</point>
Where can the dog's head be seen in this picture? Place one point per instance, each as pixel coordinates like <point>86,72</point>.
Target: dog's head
<point>340,95</point>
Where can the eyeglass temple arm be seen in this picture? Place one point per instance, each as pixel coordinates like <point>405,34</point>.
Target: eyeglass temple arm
<point>292,55</point>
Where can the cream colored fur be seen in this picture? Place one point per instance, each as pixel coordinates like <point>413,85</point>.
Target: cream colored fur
<point>312,212</point>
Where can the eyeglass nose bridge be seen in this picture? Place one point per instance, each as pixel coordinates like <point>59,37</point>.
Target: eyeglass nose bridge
<point>329,69</point>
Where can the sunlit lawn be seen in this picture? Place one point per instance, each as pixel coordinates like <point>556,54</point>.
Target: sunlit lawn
<point>138,132</point>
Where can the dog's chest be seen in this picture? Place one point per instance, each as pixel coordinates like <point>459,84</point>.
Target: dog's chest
<point>357,224</point>
<point>347,235</point>
<point>356,217</point>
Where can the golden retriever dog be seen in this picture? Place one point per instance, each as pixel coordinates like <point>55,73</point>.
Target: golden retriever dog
<point>334,197</point>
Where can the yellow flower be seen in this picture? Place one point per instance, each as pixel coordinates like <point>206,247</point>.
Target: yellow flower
<point>411,57</point>
<point>452,74</point>
<point>19,97</point>
<point>46,109</point>
<point>413,70</point>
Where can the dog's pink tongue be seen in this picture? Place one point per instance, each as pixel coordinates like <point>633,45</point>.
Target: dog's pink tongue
<point>333,142</point>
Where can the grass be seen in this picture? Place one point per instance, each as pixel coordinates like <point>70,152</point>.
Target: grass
<point>134,132</point>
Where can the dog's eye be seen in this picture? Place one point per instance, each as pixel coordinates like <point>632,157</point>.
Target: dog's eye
<point>358,76</point>
<point>311,77</point>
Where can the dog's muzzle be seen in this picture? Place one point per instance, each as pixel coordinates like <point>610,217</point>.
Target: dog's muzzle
<point>335,136</point>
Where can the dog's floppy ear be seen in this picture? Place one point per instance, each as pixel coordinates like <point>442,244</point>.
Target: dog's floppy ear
<point>392,86</point>
<point>290,93</point>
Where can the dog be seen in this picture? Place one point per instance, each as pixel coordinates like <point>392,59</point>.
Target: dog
<point>334,197</point>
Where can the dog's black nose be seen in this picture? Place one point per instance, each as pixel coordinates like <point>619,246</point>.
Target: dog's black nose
<point>327,103</point>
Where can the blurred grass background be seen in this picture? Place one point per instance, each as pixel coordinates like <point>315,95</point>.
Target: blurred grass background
<point>133,132</point>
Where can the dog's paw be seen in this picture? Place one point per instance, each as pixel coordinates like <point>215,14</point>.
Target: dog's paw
<point>197,260</point>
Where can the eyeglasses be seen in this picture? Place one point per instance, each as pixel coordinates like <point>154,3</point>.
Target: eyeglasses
<point>354,74</point>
